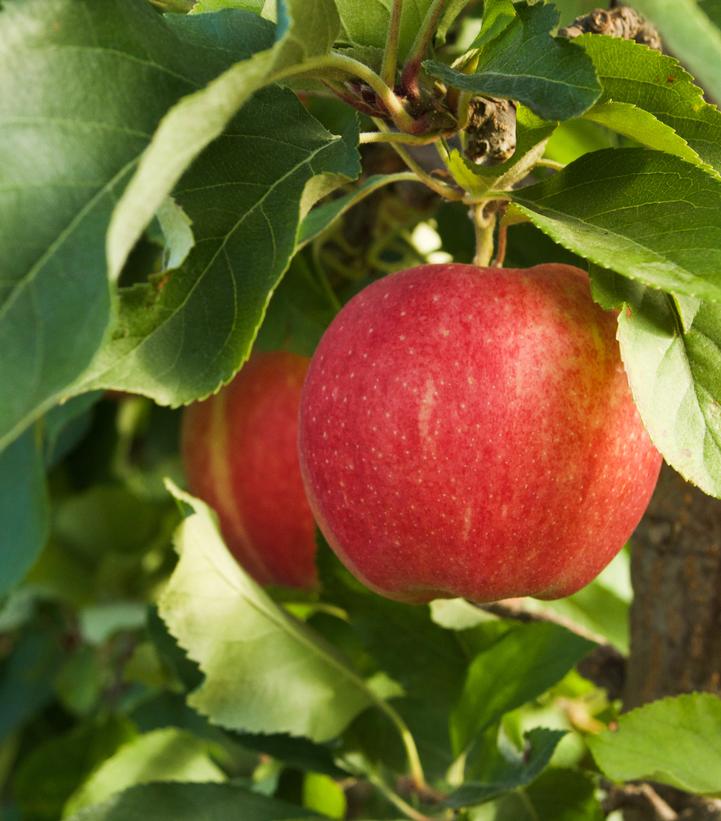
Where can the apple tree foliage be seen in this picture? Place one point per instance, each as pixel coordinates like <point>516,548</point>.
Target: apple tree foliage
<point>184,181</point>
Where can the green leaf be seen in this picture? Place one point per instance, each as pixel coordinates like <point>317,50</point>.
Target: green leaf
<point>497,17</point>
<point>574,138</point>
<point>429,662</point>
<point>242,641</point>
<point>24,508</point>
<point>525,662</point>
<point>193,802</point>
<point>323,795</point>
<point>675,741</point>
<point>690,34</point>
<point>323,216</point>
<point>648,215</point>
<point>674,372</point>
<point>451,12</point>
<point>553,77</point>
<point>301,309</point>
<point>643,127</point>
<point>163,755</point>
<point>243,197</point>
<point>200,118</point>
<point>366,24</point>
<point>564,795</point>
<point>540,744</point>
<point>642,77</point>
<point>84,83</point>
<point>51,772</point>
<point>204,6</point>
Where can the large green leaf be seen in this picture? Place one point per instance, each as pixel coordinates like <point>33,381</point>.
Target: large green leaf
<point>523,664</point>
<point>675,741</point>
<point>202,117</point>
<point>180,337</point>
<point>162,755</point>
<point>83,84</point>
<point>645,214</point>
<point>690,34</point>
<point>638,76</point>
<point>553,77</point>
<point>265,671</point>
<point>511,775</point>
<point>193,802</point>
<point>673,365</point>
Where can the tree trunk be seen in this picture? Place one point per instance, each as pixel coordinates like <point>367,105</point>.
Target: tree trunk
<point>676,611</point>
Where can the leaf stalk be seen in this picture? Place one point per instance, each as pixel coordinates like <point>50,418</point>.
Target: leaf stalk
<point>390,54</point>
<point>419,49</point>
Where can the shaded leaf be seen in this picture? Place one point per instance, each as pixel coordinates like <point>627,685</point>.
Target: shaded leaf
<point>52,771</point>
<point>520,666</point>
<point>162,755</point>
<point>540,744</point>
<point>557,795</point>
<point>24,508</point>
<point>26,676</point>
<point>193,802</point>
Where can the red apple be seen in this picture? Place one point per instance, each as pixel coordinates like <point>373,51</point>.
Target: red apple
<point>240,455</point>
<point>470,432</point>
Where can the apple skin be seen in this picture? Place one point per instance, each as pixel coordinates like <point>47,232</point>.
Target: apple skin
<point>470,432</point>
<point>239,449</point>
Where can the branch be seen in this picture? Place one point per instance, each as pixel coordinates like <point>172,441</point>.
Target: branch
<point>605,666</point>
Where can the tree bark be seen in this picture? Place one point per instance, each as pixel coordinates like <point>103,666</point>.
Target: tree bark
<point>676,611</point>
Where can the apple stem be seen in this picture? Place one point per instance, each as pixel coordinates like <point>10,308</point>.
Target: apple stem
<point>395,799</point>
<point>415,768</point>
<point>400,137</point>
<point>402,119</point>
<point>544,162</point>
<point>500,256</point>
<point>390,54</point>
<point>484,221</point>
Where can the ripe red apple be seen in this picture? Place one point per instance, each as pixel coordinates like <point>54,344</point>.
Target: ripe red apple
<point>240,454</point>
<point>470,432</point>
